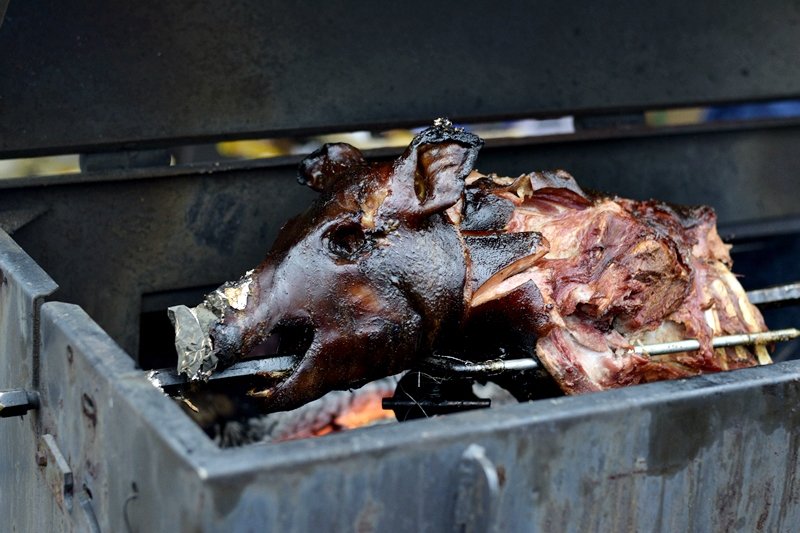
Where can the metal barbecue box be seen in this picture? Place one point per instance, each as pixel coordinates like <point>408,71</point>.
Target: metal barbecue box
<point>90,261</point>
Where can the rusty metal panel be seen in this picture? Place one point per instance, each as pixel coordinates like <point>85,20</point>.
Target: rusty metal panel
<point>23,287</point>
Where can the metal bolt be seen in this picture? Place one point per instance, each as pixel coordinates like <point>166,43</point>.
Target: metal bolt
<point>17,402</point>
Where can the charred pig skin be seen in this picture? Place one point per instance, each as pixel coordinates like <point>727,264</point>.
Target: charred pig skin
<point>372,274</point>
<point>397,260</point>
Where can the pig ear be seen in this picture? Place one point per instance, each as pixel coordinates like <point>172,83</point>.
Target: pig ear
<point>327,164</point>
<point>430,175</point>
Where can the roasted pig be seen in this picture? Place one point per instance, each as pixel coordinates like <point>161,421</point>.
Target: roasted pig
<point>398,260</point>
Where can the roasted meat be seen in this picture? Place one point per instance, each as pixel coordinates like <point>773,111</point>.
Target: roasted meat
<point>616,273</point>
<point>398,260</point>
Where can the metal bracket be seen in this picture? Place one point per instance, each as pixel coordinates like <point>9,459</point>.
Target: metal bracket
<point>17,402</point>
<point>56,470</point>
<point>478,492</point>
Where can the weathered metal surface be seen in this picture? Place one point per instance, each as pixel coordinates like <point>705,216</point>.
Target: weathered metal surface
<point>126,444</point>
<point>715,453</point>
<point>718,452</point>
<point>180,228</point>
<point>119,74</point>
<point>23,287</point>
<point>124,159</point>
<point>477,492</point>
<point>711,453</point>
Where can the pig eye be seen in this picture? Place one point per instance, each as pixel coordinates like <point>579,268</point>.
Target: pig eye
<point>347,241</point>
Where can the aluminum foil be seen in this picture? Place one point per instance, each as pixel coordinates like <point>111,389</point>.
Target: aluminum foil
<point>195,349</point>
<point>197,358</point>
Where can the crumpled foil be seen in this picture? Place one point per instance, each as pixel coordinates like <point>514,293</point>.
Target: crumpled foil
<point>196,356</point>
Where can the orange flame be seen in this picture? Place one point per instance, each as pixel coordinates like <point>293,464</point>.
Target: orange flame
<point>364,411</point>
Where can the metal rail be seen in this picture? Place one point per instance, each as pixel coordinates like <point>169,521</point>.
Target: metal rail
<point>783,294</point>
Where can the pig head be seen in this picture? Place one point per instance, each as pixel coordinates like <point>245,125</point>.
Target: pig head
<point>371,277</point>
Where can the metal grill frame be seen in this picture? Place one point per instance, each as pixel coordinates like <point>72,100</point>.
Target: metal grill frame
<point>717,452</point>
<point>107,451</point>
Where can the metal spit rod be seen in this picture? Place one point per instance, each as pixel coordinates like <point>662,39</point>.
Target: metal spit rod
<point>783,294</point>
<point>169,377</point>
<point>742,339</point>
<point>498,366</point>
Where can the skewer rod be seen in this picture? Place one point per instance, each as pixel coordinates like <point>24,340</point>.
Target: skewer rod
<point>742,339</point>
<point>169,377</point>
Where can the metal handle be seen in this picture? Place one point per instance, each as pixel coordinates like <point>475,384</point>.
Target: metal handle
<point>478,492</point>
<point>17,402</point>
